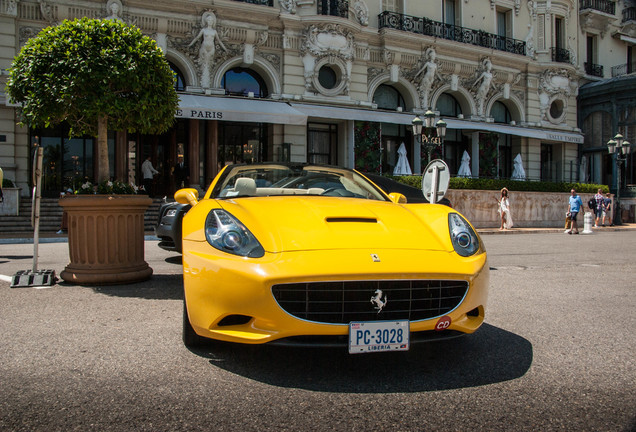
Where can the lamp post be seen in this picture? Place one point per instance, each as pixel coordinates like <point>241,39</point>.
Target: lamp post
<point>622,149</point>
<point>424,131</point>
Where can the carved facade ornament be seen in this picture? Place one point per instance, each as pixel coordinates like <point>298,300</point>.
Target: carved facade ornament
<point>557,81</point>
<point>532,8</point>
<point>288,6</point>
<point>48,12</point>
<point>530,50</point>
<point>12,8</point>
<point>114,10</point>
<point>374,72</point>
<point>26,33</point>
<point>480,86</point>
<point>328,40</point>
<point>207,49</point>
<point>426,75</point>
<point>361,12</point>
<point>555,87</point>
<point>327,46</point>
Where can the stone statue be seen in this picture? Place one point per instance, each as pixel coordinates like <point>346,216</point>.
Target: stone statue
<point>209,37</point>
<point>484,82</point>
<point>530,52</point>
<point>113,8</point>
<point>429,72</point>
<point>12,8</point>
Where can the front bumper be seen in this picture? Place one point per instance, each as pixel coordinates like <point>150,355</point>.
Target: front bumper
<point>230,298</point>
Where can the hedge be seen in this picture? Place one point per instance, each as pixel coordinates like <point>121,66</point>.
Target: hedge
<point>6,183</point>
<point>512,185</point>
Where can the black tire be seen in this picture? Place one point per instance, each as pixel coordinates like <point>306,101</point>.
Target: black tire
<point>190,338</point>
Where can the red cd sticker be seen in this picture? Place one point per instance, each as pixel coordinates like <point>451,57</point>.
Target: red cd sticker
<point>443,323</point>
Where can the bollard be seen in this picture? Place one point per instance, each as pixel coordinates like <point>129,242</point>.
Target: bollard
<point>588,221</point>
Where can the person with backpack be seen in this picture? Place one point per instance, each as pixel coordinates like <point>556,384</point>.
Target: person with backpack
<point>574,207</point>
<point>598,207</point>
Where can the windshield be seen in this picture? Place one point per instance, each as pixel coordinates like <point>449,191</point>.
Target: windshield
<point>260,180</point>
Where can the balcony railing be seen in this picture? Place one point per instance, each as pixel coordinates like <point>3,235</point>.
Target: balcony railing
<point>629,14</point>
<point>258,2</point>
<point>339,8</point>
<point>605,6</point>
<point>593,69</point>
<point>623,69</point>
<point>455,33</point>
<point>560,55</point>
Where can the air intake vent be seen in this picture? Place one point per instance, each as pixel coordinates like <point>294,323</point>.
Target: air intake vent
<point>352,219</point>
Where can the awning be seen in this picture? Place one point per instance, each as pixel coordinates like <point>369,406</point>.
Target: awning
<point>542,134</point>
<point>361,114</point>
<point>238,110</point>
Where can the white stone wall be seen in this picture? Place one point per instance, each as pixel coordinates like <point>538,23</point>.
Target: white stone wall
<point>528,209</point>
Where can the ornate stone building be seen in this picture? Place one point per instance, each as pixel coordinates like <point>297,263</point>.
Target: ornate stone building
<point>607,98</point>
<point>331,81</point>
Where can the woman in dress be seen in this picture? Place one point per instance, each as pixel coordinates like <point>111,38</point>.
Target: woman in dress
<point>504,210</point>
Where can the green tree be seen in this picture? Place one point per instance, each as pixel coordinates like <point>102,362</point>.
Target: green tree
<point>94,74</point>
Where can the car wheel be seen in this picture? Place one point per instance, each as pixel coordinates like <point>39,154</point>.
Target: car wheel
<point>190,338</point>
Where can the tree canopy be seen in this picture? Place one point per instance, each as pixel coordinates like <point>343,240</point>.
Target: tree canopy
<point>94,74</point>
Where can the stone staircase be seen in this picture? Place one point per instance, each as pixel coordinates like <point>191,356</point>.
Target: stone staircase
<point>51,218</point>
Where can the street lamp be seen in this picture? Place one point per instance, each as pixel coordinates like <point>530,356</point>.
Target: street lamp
<point>424,131</point>
<point>622,149</point>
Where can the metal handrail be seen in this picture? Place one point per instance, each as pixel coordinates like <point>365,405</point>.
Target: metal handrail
<point>605,6</point>
<point>428,27</point>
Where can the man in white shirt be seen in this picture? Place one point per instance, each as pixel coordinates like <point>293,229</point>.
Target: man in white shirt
<point>148,173</point>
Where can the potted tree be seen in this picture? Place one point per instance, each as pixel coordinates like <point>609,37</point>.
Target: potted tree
<point>95,74</point>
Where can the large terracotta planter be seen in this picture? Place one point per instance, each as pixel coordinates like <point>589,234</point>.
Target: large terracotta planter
<point>106,239</point>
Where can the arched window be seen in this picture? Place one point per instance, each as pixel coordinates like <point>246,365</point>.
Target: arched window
<point>500,113</point>
<point>180,82</point>
<point>454,144</point>
<point>241,82</point>
<point>388,98</point>
<point>448,106</point>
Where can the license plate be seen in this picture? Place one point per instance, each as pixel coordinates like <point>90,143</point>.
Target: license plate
<point>378,336</point>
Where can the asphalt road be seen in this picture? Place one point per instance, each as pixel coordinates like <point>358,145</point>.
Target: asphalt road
<point>556,354</point>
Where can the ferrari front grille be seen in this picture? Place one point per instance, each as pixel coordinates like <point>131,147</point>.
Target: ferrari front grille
<point>343,302</point>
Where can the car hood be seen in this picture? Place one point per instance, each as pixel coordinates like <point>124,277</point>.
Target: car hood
<point>320,223</point>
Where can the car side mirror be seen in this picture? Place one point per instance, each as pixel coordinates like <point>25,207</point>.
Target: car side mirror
<point>187,196</point>
<point>397,198</point>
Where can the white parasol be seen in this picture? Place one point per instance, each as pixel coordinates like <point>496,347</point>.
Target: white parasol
<point>402,167</point>
<point>464,168</point>
<point>518,172</point>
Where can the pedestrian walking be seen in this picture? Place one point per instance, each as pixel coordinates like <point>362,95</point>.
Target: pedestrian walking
<point>574,207</point>
<point>504,210</point>
<point>148,172</point>
<point>598,209</point>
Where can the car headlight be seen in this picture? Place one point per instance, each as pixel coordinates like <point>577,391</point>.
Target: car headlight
<point>226,233</point>
<point>464,239</point>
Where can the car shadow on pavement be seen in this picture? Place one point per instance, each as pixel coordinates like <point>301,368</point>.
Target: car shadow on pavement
<point>158,287</point>
<point>490,355</point>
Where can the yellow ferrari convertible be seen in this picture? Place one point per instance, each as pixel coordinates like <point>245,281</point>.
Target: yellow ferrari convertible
<point>308,254</point>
